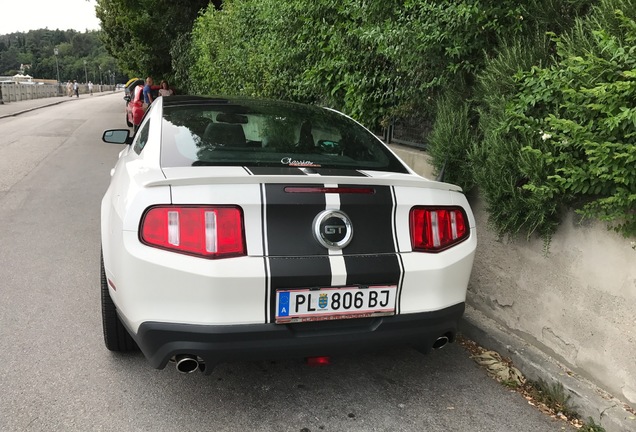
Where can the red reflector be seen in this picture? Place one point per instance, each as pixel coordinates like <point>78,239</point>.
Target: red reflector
<point>318,361</point>
<point>434,229</point>
<point>326,190</point>
<point>206,231</point>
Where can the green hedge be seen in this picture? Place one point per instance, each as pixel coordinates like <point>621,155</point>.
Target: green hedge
<point>565,136</point>
<point>373,60</point>
<point>538,123</point>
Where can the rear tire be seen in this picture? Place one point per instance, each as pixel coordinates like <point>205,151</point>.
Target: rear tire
<point>116,337</point>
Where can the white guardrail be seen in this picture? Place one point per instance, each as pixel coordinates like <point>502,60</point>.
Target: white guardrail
<point>14,92</point>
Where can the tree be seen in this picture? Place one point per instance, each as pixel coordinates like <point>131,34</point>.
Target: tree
<point>36,48</point>
<point>141,36</point>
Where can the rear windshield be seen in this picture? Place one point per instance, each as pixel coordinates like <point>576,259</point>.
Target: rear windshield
<point>269,134</point>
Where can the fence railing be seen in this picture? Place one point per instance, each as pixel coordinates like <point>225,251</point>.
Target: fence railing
<point>15,92</point>
<point>412,132</point>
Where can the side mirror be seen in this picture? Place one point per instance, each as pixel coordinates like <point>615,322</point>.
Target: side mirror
<point>127,98</point>
<point>117,136</point>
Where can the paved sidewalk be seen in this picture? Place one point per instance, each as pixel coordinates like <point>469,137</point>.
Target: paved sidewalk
<point>9,109</point>
<point>587,399</point>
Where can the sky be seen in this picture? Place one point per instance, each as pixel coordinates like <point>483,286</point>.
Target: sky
<point>55,14</point>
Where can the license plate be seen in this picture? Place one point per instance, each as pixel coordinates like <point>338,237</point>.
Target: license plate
<point>334,303</point>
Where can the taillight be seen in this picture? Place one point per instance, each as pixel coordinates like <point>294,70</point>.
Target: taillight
<point>206,231</point>
<point>434,229</point>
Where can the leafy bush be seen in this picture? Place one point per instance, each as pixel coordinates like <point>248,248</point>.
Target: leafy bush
<point>556,121</point>
<point>568,134</point>
<point>372,60</point>
<point>496,158</point>
<point>452,138</point>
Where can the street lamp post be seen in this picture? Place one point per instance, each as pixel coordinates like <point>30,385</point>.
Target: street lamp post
<point>57,67</point>
<point>85,73</point>
<point>100,77</point>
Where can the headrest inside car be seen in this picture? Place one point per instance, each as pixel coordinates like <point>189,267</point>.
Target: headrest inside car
<point>224,135</point>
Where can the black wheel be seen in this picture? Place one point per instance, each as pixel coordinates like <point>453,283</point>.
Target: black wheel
<point>116,337</point>
<point>128,121</point>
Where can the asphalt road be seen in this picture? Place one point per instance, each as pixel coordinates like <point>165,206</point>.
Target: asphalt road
<point>56,375</point>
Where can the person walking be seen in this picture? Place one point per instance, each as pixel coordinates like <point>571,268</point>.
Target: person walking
<point>90,88</point>
<point>76,88</point>
<point>69,88</point>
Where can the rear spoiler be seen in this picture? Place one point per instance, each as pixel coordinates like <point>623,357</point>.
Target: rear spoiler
<point>405,181</point>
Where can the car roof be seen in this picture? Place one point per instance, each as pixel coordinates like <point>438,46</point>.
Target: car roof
<point>191,100</point>
<point>194,100</point>
<point>133,83</point>
<point>130,81</point>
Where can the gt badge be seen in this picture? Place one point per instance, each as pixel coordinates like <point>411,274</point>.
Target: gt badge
<point>333,229</point>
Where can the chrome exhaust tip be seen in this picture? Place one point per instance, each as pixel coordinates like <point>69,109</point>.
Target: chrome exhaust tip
<point>186,363</point>
<point>440,342</point>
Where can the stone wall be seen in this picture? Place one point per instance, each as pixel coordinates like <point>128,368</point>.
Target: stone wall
<point>576,302</point>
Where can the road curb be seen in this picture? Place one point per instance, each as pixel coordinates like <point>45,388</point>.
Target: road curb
<point>586,398</point>
<point>13,114</point>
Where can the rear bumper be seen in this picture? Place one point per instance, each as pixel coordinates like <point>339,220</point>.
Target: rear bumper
<point>222,343</point>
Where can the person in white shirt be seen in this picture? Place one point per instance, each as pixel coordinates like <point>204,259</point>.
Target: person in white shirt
<point>165,90</point>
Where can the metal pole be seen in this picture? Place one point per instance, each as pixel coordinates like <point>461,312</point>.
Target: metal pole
<point>57,67</point>
<point>1,101</point>
<point>85,73</point>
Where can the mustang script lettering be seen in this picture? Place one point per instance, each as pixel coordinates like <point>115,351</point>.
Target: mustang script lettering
<point>297,163</point>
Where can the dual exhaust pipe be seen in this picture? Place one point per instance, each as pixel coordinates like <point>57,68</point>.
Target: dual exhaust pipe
<point>187,363</point>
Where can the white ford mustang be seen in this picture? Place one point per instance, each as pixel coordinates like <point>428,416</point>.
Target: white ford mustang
<point>255,229</point>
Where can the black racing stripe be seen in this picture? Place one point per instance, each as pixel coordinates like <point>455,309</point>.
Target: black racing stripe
<point>290,218</point>
<point>398,305</point>
<point>275,171</point>
<point>371,217</point>
<point>338,172</point>
<point>265,262</point>
<point>371,258</point>
<point>290,273</point>
<point>373,269</point>
<point>295,272</point>
<point>296,259</point>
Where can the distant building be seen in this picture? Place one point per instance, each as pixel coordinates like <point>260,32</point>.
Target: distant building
<point>22,78</point>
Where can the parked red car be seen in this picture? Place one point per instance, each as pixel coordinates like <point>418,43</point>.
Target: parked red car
<point>134,108</point>
<point>134,103</point>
